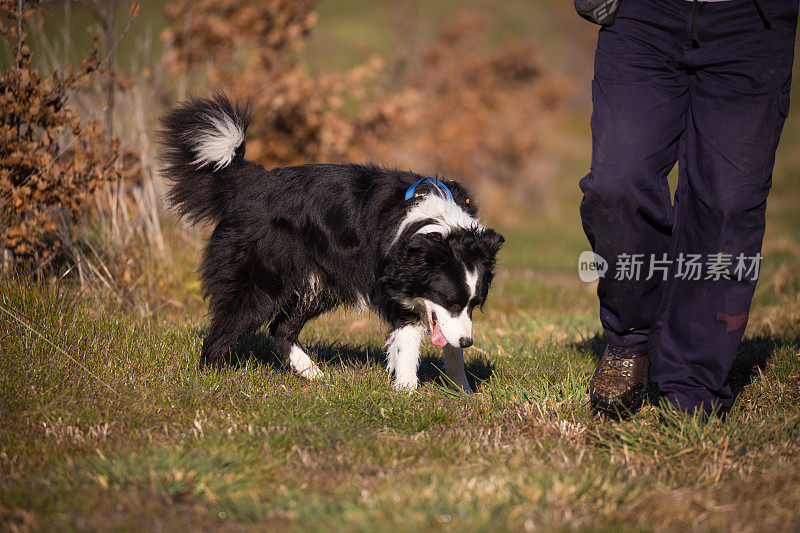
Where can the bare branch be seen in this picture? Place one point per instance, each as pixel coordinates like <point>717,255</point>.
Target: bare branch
<point>131,16</point>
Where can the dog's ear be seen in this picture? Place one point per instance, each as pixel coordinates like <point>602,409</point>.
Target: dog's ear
<point>476,244</point>
<point>424,251</point>
<point>491,241</point>
<point>408,270</point>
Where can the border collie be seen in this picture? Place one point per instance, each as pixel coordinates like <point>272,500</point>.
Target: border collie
<point>292,243</point>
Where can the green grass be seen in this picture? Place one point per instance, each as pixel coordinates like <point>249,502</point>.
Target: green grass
<point>117,428</point>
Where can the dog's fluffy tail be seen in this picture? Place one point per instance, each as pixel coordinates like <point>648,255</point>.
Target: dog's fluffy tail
<point>202,142</point>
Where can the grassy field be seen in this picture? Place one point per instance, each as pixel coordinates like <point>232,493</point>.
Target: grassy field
<point>106,423</point>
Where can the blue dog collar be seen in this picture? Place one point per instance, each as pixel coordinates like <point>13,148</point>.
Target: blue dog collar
<point>434,181</point>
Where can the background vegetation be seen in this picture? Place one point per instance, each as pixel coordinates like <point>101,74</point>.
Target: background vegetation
<point>105,421</point>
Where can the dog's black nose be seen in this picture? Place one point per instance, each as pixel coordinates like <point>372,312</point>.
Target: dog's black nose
<point>465,342</point>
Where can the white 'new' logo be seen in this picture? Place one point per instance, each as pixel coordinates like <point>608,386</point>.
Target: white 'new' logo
<point>591,266</point>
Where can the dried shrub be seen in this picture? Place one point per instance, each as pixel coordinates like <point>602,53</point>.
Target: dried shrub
<point>250,49</point>
<point>481,114</point>
<point>51,162</point>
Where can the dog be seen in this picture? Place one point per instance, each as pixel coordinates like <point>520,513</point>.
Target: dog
<point>292,243</point>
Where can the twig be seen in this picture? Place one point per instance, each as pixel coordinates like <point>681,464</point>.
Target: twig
<point>59,349</point>
<point>110,54</point>
<point>18,51</point>
<point>110,49</point>
<point>133,13</point>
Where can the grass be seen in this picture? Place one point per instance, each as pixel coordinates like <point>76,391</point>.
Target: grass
<point>117,429</point>
<point>105,422</point>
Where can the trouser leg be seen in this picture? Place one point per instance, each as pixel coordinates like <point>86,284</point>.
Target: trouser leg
<point>640,97</point>
<point>739,99</point>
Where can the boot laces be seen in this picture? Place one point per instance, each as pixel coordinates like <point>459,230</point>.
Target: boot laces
<point>617,365</point>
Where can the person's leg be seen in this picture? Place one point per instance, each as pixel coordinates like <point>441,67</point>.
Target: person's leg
<point>640,96</point>
<point>738,102</point>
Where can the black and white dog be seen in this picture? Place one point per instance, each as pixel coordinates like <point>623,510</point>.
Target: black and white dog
<point>292,243</point>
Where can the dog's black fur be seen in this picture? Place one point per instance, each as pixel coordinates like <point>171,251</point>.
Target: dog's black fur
<point>292,243</point>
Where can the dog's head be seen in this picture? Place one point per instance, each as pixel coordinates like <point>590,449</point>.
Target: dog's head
<point>444,276</point>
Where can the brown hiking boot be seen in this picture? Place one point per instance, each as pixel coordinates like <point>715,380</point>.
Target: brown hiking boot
<point>617,387</point>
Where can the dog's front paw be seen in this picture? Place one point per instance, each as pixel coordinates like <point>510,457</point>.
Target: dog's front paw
<point>303,365</point>
<point>311,373</point>
<point>406,385</point>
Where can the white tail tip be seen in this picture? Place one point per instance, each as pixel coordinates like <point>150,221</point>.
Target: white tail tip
<point>217,144</point>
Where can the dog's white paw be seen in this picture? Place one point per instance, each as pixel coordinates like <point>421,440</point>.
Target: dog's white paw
<point>303,365</point>
<point>311,373</point>
<point>406,385</point>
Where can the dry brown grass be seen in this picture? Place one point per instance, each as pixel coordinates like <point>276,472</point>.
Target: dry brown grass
<point>765,502</point>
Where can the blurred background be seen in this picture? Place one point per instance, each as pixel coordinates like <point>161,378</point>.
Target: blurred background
<point>494,94</point>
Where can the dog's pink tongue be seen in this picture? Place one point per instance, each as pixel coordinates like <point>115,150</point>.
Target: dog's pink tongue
<point>437,337</point>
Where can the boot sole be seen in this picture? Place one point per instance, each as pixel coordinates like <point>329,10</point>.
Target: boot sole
<point>622,406</point>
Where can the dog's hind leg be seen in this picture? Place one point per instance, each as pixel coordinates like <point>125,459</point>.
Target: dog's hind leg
<point>233,315</point>
<point>454,367</point>
<point>285,331</point>
<point>402,356</point>
<point>242,292</point>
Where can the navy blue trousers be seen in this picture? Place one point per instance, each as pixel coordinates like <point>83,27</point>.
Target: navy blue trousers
<point>716,105</point>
